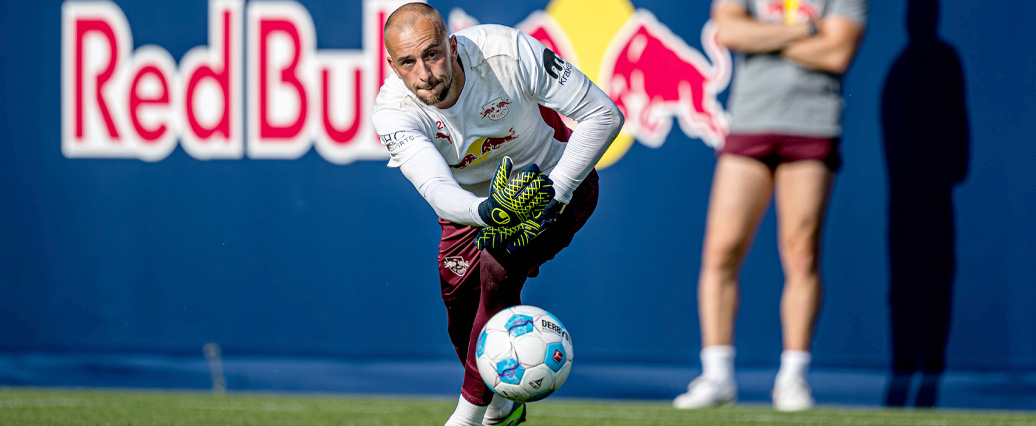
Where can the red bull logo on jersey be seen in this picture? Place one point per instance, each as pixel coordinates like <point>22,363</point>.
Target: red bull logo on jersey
<point>260,88</point>
<point>481,148</point>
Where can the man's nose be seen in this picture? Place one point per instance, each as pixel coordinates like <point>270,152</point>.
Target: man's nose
<point>424,70</point>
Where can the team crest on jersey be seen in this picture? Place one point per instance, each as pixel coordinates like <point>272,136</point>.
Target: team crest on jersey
<point>456,264</point>
<point>495,109</point>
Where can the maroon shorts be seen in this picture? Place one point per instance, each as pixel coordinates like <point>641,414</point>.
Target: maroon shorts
<point>774,149</point>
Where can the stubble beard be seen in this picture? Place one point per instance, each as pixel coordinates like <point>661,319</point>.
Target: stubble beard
<point>439,96</point>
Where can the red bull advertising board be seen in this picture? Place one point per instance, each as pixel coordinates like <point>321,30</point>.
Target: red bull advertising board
<point>288,97</point>
<point>119,102</point>
<point>184,172</point>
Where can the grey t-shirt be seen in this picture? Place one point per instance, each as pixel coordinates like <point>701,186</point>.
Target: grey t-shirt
<point>773,95</point>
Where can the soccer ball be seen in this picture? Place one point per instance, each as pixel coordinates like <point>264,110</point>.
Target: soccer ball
<point>524,353</point>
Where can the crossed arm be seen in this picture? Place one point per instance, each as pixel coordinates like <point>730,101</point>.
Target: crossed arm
<point>831,49</point>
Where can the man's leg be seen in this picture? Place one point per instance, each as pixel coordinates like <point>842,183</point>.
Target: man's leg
<point>502,277</point>
<point>459,267</point>
<point>459,282</point>
<point>460,314</point>
<point>802,191</point>
<point>740,194</point>
<point>500,289</point>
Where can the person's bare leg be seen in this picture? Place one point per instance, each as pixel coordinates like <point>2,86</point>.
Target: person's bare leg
<point>802,189</point>
<point>740,194</point>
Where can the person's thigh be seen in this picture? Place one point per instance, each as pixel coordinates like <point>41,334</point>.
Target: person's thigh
<point>802,189</point>
<point>740,194</point>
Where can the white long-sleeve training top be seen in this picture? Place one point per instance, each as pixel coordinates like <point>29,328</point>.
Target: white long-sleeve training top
<point>513,90</point>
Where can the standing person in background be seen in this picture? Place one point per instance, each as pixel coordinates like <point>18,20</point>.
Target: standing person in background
<point>786,108</point>
<point>458,113</point>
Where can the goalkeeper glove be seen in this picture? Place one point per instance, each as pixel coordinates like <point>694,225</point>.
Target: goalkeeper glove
<point>516,237</point>
<point>533,227</point>
<point>515,200</point>
<point>495,236</point>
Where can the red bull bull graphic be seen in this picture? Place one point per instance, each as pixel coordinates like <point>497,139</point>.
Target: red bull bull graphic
<point>288,97</point>
<point>481,148</point>
<point>653,76</point>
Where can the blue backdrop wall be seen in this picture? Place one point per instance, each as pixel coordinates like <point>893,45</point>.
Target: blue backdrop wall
<point>121,263</point>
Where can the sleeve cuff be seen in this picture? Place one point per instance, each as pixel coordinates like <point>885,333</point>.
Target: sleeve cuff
<point>475,217</point>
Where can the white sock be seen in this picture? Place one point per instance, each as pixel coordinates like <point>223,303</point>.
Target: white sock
<point>717,362</point>
<point>794,364</point>
<point>499,408</point>
<point>467,414</point>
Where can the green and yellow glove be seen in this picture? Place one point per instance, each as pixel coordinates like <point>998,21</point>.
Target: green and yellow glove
<point>512,200</point>
<point>535,226</point>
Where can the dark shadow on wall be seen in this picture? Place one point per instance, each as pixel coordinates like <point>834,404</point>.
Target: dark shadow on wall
<point>925,125</point>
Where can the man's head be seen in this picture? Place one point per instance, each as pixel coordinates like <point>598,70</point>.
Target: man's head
<point>423,55</point>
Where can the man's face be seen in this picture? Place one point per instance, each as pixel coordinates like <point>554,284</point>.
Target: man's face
<point>423,57</point>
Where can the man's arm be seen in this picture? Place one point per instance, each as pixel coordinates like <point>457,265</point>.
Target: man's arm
<point>512,199</point>
<point>429,173</point>
<point>832,49</point>
<point>424,167</point>
<point>738,31</point>
<point>558,85</point>
<point>598,122</point>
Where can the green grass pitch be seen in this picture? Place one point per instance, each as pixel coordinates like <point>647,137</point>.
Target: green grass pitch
<point>46,407</point>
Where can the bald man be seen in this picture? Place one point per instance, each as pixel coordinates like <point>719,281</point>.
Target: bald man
<point>454,108</point>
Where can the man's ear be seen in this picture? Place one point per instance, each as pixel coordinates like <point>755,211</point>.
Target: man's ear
<point>392,65</point>
<point>453,46</point>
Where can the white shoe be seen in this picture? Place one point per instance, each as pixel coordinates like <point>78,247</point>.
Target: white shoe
<point>516,416</point>
<point>792,395</point>
<point>705,392</point>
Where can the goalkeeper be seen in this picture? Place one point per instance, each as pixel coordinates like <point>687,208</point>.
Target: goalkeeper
<point>472,120</point>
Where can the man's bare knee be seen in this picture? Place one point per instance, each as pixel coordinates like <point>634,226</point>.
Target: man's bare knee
<point>800,256</point>
<point>722,257</point>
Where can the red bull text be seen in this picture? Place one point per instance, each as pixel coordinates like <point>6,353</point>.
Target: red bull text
<point>118,103</point>
<point>289,97</point>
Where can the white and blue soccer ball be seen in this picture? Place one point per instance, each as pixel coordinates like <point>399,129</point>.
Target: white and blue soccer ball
<point>524,353</point>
